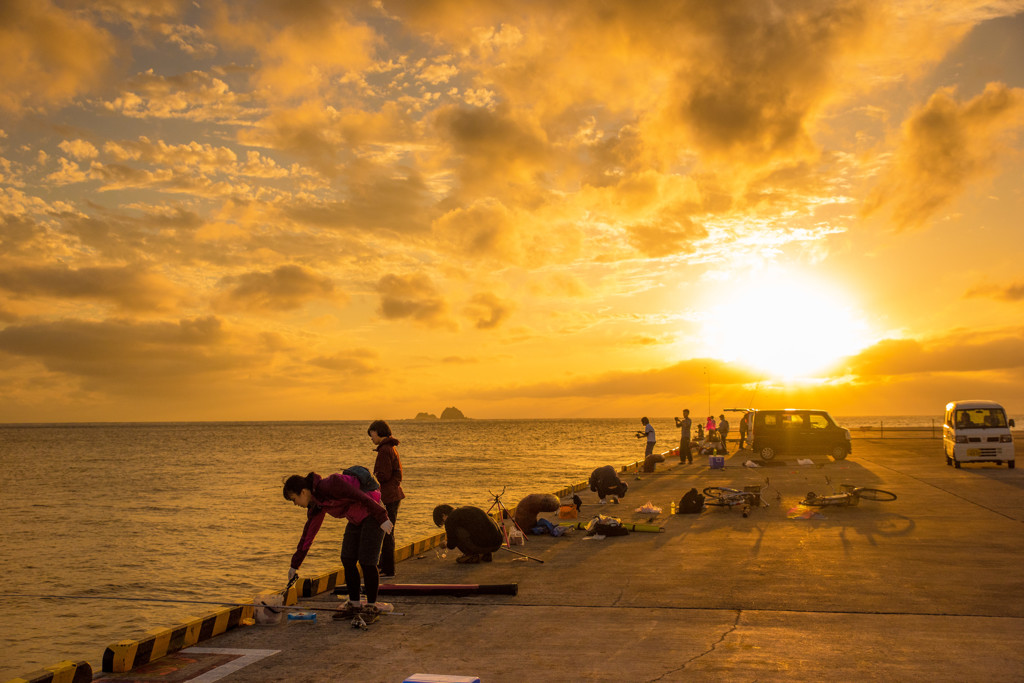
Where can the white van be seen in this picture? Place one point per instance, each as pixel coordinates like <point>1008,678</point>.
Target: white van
<point>977,431</point>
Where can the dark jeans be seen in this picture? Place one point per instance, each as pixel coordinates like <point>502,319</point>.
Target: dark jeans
<point>361,544</point>
<point>387,550</point>
<point>684,449</point>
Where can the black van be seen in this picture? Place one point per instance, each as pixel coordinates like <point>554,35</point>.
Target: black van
<point>793,431</point>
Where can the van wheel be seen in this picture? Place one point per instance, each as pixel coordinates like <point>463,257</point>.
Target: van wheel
<point>767,452</point>
<point>839,453</point>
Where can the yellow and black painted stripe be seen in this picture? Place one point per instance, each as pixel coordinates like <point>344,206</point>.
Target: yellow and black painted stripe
<point>63,672</point>
<point>125,655</point>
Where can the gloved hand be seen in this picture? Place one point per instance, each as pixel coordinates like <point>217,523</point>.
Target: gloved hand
<point>387,526</point>
<point>292,573</point>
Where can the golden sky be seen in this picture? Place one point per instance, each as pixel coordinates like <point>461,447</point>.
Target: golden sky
<point>275,210</point>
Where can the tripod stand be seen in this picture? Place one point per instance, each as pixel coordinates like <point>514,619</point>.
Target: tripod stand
<point>503,515</point>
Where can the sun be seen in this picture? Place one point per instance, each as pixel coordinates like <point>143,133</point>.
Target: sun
<point>786,324</point>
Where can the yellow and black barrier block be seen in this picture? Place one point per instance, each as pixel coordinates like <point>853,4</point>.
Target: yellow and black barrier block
<point>62,672</point>
<point>322,584</point>
<point>571,489</point>
<point>125,655</point>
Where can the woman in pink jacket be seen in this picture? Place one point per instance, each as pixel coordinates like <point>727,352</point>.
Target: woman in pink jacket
<point>340,495</point>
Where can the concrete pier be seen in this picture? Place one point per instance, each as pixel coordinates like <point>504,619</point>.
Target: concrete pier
<point>927,587</point>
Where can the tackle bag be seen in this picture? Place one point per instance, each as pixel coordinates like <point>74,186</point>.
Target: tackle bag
<point>691,503</point>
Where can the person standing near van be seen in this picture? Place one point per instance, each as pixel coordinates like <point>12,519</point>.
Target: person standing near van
<point>388,471</point>
<point>648,431</point>
<point>685,453</point>
<point>723,431</point>
<point>744,428</point>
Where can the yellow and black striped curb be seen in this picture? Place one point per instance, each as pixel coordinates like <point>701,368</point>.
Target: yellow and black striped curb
<point>125,655</point>
<point>63,672</point>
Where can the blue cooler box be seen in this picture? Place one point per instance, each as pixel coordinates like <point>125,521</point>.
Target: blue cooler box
<point>716,462</point>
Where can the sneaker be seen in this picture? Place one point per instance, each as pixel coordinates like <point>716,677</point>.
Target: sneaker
<point>602,501</point>
<point>347,610</point>
<point>374,608</point>
<point>468,559</point>
<point>387,575</point>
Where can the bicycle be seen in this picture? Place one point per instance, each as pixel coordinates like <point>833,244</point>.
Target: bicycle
<point>724,496</point>
<point>850,496</point>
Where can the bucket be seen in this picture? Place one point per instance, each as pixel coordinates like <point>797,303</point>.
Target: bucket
<point>265,607</point>
<point>716,462</point>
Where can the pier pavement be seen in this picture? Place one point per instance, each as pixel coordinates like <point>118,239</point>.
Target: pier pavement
<point>927,587</point>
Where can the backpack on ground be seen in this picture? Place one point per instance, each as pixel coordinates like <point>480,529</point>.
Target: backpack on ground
<point>691,503</point>
<point>367,482</point>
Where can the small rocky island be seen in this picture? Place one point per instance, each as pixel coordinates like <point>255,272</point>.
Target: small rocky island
<point>450,413</point>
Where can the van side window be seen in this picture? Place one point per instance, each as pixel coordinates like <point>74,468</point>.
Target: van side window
<point>771,419</point>
<point>818,422</point>
<point>790,420</point>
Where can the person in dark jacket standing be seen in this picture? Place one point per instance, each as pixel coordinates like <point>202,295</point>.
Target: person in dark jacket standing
<point>388,471</point>
<point>685,453</point>
<point>340,495</point>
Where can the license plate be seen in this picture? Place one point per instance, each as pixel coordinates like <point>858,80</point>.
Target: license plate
<point>973,452</point>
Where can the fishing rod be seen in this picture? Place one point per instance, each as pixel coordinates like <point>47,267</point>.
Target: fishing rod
<point>224,603</point>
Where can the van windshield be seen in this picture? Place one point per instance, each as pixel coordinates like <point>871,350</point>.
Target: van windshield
<point>980,418</point>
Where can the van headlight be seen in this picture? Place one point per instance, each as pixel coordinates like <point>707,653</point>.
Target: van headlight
<point>847,433</point>
<point>1005,438</point>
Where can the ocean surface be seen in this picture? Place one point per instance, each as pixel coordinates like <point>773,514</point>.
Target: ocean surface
<point>117,516</point>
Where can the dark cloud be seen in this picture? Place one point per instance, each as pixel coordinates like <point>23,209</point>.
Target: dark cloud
<point>124,356</point>
<point>414,297</point>
<point>666,380</point>
<point>662,238</point>
<point>128,287</point>
<point>375,200</point>
<point>491,145</point>
<point>487,311</point>
<point>960,351</point>
<point>353,364</point>
<point>282,289</point>
<point>1012,293</point>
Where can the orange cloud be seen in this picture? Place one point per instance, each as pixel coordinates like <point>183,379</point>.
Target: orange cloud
<point>945,145</point>
<point>50,55</point>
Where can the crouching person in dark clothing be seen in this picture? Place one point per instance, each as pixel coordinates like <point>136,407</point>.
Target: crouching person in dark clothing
<point>471,530</point>
<point>605,481</point>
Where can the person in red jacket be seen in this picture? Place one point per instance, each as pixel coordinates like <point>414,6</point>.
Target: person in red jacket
<point>388,471</point>
<point>339,495</point>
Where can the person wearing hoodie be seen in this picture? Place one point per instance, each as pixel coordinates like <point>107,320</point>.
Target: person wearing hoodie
<point>340,495</point>
<point>388,471</point>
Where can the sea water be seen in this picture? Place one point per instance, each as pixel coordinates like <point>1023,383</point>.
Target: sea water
<point>118,516</point>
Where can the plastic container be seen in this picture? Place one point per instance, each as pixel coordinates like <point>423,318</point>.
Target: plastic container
<point>302,616</point>
<point>716,462</point>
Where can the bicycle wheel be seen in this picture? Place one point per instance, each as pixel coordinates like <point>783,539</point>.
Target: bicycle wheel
<point>718,495</point>
<point>875,494</point>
